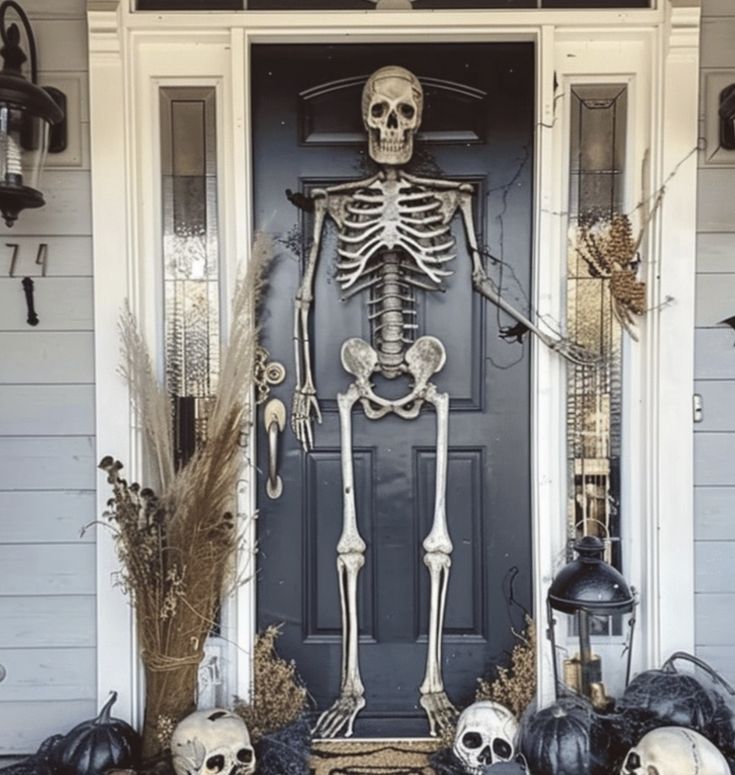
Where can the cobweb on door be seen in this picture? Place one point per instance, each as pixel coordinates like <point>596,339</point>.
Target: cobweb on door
<point>190,259</point>
<point>594,392</point>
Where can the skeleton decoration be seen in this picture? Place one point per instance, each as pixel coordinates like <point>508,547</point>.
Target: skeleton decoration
<point>486,734</point>
<point>210,742</point>
<point>394,241</point>
<point>674,751</point>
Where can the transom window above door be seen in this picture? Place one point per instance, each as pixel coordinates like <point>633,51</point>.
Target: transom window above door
<point>341,5</point>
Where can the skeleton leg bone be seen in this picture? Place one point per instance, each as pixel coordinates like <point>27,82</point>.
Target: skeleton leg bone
<point>350,559</point>
<point>438,548</point>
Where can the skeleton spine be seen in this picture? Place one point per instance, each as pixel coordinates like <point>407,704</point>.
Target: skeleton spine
<point>394,315</point>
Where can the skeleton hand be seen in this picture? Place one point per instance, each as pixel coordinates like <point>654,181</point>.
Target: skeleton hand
<point>304,409</point>
<point>577,354</point>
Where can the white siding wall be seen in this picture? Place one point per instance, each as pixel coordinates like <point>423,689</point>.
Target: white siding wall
<point>714,441</point>
<point>47,450</point>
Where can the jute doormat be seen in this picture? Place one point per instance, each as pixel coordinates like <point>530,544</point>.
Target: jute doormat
<point>373,757</point>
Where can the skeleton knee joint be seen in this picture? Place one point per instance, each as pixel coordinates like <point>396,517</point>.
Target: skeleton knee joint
<point>438,542</point>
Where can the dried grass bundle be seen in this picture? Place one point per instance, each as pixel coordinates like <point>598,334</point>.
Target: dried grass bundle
<point>514,686</point>
<point>177,547</point>
<point>279,696</point>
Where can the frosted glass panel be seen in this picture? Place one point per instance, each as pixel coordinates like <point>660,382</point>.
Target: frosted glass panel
<point>190,258</point>
<point>594,397</point>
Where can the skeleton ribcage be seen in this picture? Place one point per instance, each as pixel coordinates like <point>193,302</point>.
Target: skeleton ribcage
<point>394,238</point>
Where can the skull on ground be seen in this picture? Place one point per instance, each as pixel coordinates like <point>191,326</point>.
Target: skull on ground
<point>486,734</point>
<point>212,742</point>
<point>674,751</point>
<point>392,102</point>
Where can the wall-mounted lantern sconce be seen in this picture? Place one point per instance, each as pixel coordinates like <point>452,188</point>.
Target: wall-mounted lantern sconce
<point>31,120</point>
<point>583,589</point>
<point>727,118</point>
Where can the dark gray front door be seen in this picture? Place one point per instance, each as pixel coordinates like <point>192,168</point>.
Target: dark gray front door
<point>477,127</point>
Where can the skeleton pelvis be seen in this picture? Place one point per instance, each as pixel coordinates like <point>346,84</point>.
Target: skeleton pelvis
<point>424,358</point>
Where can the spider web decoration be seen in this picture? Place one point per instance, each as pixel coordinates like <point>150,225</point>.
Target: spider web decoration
<point>595,314</point>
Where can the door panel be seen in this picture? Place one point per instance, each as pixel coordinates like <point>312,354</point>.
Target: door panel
<point>478,127</point>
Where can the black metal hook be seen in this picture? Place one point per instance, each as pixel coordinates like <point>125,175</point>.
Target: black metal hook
<point>6,34</point>
<point>32,318</point>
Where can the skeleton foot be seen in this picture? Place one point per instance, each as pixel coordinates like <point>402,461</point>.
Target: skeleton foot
<point>341,714</point>
<point>441,713</point>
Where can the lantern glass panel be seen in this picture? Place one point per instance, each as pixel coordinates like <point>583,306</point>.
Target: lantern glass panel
<point>582,665</point>
<point>23,147</point>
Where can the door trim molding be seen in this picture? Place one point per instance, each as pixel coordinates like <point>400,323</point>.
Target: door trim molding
<point>132,54</point>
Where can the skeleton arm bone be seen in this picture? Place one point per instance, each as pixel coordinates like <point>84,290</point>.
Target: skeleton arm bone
<point>305,406</point>
<point>437,183</point>
<point>484,285</point>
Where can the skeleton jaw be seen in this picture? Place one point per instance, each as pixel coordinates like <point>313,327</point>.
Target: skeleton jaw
<point>394,148</point>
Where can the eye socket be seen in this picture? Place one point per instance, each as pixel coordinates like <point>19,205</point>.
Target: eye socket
<point>633,762</point>
<point>216,763</point>
<point>502,748</point>
<point>377,109</point>
<point>471,740</point>
<point>407,111</point>
<point>245,755</point>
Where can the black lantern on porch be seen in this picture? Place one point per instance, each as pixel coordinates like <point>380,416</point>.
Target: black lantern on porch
<point>27,113</point>
<point>585,588</point>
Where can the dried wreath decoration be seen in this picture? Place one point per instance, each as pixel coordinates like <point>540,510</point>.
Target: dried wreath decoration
<point>279,697</point>
<point>611,252</point>
<point>514,686</point>
<point>177,544</point>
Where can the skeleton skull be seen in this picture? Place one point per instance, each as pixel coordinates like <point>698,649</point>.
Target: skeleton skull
<point>392,101</point>
<point>674,751</point>
<point>212,742</point>
<point>486,734</point>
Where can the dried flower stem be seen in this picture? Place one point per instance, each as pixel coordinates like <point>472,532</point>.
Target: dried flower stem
<point>278,695</point>
<point>177,549</point>
<point>514,686</point>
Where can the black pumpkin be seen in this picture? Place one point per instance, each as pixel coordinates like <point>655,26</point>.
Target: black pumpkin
<point>566,738</point>
<point>97,745</point>
<point>668,697</point>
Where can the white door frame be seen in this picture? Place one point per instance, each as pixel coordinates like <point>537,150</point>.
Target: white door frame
<point>655,51</point>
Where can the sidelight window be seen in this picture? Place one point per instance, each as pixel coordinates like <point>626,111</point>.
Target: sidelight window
<point>190,252</point>
<point>595,392</point>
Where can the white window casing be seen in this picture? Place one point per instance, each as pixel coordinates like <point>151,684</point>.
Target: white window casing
<point>655,52</point>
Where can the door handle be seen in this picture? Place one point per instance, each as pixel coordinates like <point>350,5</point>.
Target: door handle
<point>274,417</point>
